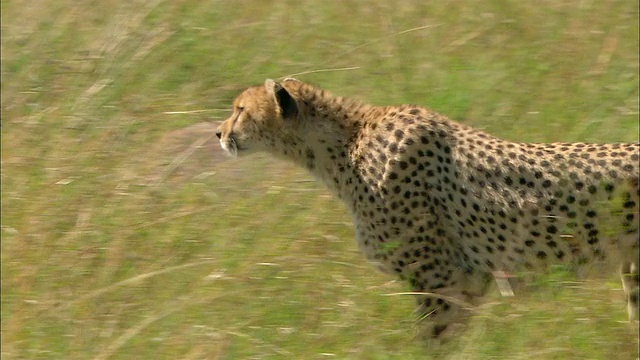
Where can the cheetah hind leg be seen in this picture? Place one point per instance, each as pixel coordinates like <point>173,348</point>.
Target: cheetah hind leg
<point>630,284</point>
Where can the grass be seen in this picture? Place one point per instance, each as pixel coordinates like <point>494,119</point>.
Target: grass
<point>127,234</point>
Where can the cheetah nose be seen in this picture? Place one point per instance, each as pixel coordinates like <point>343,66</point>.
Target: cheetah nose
<point>219,134</point>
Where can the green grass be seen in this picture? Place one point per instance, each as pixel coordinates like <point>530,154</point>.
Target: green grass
<point>127,234</point>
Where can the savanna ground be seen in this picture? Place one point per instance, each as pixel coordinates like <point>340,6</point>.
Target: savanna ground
<point>127,234</point>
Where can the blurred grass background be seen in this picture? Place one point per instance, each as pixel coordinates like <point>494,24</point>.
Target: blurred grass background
<point>127,234</point>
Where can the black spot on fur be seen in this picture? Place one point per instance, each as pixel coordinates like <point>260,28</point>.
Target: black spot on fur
<point>311,157</point>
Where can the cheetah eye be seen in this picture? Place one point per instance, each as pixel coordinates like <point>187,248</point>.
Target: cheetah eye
<point>240,108</point>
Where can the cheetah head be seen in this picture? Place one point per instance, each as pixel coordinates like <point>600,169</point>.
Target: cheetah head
<point>260,115</point>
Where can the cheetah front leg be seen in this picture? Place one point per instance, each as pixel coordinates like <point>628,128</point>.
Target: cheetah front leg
<point>445,307</point>
<point>630,284</point>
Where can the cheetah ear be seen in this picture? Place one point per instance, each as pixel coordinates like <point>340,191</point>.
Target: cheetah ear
<point>286,104</point>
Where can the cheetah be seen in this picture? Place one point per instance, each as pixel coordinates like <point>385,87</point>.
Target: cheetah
<point>443,205</point>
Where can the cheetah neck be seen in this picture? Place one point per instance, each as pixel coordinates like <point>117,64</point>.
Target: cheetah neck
<point>325,141</point>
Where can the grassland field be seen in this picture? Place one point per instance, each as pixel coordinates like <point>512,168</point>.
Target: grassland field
<point>127,234</point>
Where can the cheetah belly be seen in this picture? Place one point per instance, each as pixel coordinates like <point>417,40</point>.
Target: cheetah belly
<point>535,234</point>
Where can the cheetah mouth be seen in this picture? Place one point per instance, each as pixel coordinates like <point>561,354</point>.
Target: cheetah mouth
<point>230,146</point>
